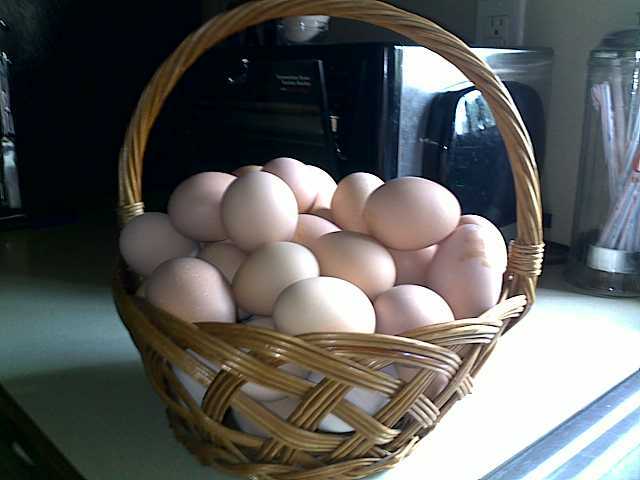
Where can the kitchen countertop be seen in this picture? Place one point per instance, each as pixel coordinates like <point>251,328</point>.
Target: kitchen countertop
<point>69,363</point>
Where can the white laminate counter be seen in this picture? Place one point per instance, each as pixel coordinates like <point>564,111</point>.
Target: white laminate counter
<point>69,363</point>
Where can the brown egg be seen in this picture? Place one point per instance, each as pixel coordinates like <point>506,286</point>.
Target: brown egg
<point>350,198</point>
<point>149,240</point>
<point>239,172</point>
<point>406,307</point>
<point>497,248</point>
<point>192,290</point>
<point>225,256</point>
<point>310,228</point>
<point>299,178</point>
<point>323,213</point>
<point>411,265</point>
<point>357,258</point>
<point>326,187</point>
<point>259,208</point>
<point>194,207</point>
<point>268,271</point>
<point>323,304</point>
<point>411,213</point>
<point>463,273</point>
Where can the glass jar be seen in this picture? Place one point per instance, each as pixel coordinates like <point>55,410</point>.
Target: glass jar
<point>605,252</point>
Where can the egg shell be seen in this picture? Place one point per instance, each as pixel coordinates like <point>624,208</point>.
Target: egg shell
<point>350,198</point>
<point>357,258</point>
<point>323,304</point>
<point>496,245</point>
<point>411,213</point>
<point>326,187</point>
<point>149,240</point>
<point>239,172</point>
<point>268,271</point>
<point>194,206</point>
<point>412,265</point>
<point>192,290</point>
<point>461,273</point>
<point>310,228</point>
<point>406,307</point>
<point>225,256</point>
<point>437,385</point>
<point>323,213</point>
<point>363,398</point>
<point>259,208</point>
<point>299,178</point>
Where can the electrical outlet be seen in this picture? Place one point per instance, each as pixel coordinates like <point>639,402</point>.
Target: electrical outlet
<point>500,23</point>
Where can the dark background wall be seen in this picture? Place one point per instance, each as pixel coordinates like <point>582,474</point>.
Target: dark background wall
<point>78,69</point>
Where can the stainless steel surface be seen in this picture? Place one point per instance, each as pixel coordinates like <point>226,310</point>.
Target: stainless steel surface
<point>613,261</point>
<point>424,74</point>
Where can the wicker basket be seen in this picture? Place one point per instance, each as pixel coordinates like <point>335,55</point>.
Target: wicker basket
<point>296,450</point>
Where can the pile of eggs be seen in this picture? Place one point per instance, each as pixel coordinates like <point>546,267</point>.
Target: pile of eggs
<point>284,247</point>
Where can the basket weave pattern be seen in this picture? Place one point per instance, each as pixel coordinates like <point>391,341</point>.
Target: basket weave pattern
<point>295,450</point>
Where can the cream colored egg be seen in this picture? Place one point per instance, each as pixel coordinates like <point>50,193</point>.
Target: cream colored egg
<point>281,408</point>
<point>149,240</point>
<point>225,256</point>
<point>412,265</point>
<point>326,187</point>
<point>194,207</point>
<point>437,385</point>
<point>195,389</point>
<point>357,258</point>
<point>268,271</point>
<point>463,274</point>
<point>310,228</point>
<point>259,208</point>
<point>192,290</point>
<point>239,172</point>
<point>299,178</point>
<point>406,307</point>
<point>411,213</point>
<point>324,304</point>
<point>368,400</point>
<point>350,198</point>
<point>496,248</point>
<point>323,213</point>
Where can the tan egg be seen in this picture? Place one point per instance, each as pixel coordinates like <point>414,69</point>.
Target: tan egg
<point>299,178</point>
<point>239,172</point>
<point>225,256</point>
<point>268,271</point>
<point>323,304</point>
<point>411,213</point>
<point>497,248</point>
<point>406,307</point>
<point>323,213</point>
<point>326,187</point>
<point>192,290</point>
<point>149,240</point>
<point>412,265</point>
<point>259,208</point>
<point>435,388</point>
<point>357,258</point>
<point>194,207</point>
<point>463,274</point>
<point>350,198</point>
<point>310,228</point>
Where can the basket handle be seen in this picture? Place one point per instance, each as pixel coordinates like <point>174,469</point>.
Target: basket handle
<point>525,253</point>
